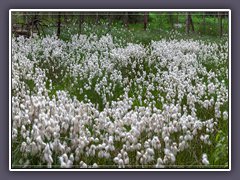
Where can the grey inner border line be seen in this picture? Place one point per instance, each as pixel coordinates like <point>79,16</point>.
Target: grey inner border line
<point>146,166</point>
<point>4,79</point>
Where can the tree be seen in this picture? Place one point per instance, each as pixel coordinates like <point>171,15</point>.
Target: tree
<point>125,21</point>
<point>80,22</point>
<point>189,22</point>
<point>204,22</point>
<point>171,19</point>
<point>34,23</point>
<point>24,19</point>
<point>220,24</point>
<point>145,21</point>
<point>97,18</point>
<point>177,17</point>
<point>110,18</point>
<point>59,25</point>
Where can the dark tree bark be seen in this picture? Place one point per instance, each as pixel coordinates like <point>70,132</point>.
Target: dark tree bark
<point>171,19</point>
<point>204,22</point>
<point>24,20</point>
<point>59,25</point>
<point>97,18</point>
<point>126,19</point>
<point>80,22</point>
<point>145,21</point>
<point>110,18</point>
<point>177,17</point>
<point>35,23</point>
<point>189,22</point>
<point>220,24</point>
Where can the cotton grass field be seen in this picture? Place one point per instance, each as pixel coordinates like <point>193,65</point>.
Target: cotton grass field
<point>95,102</point>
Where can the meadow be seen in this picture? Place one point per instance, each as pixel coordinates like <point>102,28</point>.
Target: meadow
<point>120,99</point>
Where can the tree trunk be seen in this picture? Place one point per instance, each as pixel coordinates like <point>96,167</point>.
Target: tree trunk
<point>110,19</point>
<point>187,22</point>
<point>97,18</point>
<point>204,22</point>
<point>126,19</point>
<point>80,22</point>
<point>171,20</point>
<point>59,25</point>
<point>220,24</point>
<point>24,20</point>
<point>191,22</point>
<point>177,18</point>
<point>145,21</point>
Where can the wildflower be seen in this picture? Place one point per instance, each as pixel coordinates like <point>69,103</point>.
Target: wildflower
<point>204,159</point>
